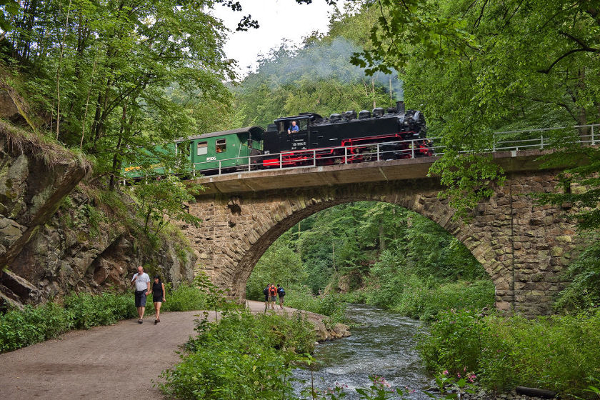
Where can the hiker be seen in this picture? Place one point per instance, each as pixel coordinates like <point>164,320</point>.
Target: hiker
<point>266,293</point>
<point>141,280</point>
<point>158,296</point>
<point>280,293</point>
<point>272,295</point>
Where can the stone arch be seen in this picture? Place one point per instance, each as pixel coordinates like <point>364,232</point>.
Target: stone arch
<point>518,243</point>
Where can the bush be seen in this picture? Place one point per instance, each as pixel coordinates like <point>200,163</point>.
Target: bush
<point>88,310</point>
<point>558,353</point>
<point>423,299</point>
<point>241,357</point>
<point>453,342</point>
<point>331,304</point>
<point>20,328</point>
<point>184,298</point>
<point>32,325</point>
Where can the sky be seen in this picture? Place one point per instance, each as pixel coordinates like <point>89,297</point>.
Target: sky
<point>278,20</point>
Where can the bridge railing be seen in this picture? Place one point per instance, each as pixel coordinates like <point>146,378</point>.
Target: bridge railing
<point>544,138</point>
<point>383,151</point>
<point>516,140</point>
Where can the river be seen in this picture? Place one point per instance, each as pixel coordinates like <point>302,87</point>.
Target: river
<point>382,344</point>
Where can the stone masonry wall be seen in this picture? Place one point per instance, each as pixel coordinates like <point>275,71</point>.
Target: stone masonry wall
<point>524,247</point>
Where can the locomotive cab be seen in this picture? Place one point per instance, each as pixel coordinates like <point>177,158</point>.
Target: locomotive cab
<point>290,133</point>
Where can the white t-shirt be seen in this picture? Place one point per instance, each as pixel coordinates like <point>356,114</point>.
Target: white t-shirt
<point>141,283</point>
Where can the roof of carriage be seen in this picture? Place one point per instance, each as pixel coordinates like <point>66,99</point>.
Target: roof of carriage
<point>255,131</point>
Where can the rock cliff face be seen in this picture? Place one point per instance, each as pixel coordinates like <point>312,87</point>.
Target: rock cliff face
<point>46,252</point>
<point>83,249</point>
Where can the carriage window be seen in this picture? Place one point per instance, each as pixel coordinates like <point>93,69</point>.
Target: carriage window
<point>221,146</point>
<point>202,148</point>
<point>250,143</point>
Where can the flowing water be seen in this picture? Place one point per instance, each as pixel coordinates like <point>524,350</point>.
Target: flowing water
<point>381,344</point>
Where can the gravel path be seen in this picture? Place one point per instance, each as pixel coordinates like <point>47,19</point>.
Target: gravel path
<point>110,362</point>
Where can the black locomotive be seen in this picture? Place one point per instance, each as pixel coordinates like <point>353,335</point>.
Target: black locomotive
<point>345,138</point>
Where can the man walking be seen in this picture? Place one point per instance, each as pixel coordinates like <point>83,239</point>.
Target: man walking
<point>141,280</point>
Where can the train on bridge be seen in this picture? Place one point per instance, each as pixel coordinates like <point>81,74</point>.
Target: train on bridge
<point>304,140</point>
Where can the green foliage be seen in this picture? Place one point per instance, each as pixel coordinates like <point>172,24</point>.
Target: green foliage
<point>315,78</point>
<point>32,325</point>
<point>162,198</point>
<point>84,311</point>
<point>184,298</point>
<point>418,301</point>
<point>88,310</point>
<point>476,68</point>
<point>224,363</point>
<point>583,292</point>
<point>112,77</point>
<point>453,342</point>
<point>331,304</point>
<point>556,353</point>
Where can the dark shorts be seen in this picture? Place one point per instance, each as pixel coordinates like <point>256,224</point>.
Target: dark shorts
<point>157,298</point>
<point>273,298</point>
<point>140,298</point>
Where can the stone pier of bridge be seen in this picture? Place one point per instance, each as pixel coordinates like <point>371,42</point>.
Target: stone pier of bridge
<point>523,246</point>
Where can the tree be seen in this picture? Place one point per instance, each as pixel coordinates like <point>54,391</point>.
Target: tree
<point>478,67</point>
<point>161,199</point>
<point>108,74</point>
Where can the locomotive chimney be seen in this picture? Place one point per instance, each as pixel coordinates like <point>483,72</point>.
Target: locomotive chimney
<point>400,107</point>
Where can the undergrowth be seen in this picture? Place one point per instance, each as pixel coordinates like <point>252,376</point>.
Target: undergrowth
<point>244,356</point>
<point>20,328</point>
<point>558,353</point>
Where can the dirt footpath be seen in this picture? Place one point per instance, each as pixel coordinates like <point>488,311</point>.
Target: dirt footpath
<point>109,362</point>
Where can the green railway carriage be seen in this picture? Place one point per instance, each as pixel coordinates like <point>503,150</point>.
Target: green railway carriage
<point>217,152</point>
<point>209,153</point>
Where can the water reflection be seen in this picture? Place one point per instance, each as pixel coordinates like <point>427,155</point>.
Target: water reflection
<point>383,344</point>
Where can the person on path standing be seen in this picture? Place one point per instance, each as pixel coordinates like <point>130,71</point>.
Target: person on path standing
<point>141,280</point>
<point>281,294</point>
<point>266,293</point>
<point>158,296</point>
<point>272,295</point>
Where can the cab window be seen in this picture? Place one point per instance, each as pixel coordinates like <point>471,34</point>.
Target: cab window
<point>283,126</point>
<point>220,146</point>
<point>202,148</point>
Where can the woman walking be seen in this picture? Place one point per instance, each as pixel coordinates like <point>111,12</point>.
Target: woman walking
<point>158,296</point>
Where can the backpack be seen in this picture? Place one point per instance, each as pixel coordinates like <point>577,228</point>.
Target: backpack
<point>281,291</point>
<point>266,291</point>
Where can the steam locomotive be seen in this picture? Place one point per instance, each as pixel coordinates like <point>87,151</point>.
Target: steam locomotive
<point>307,139</point>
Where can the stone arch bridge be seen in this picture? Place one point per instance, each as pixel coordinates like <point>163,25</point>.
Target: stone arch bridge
<point>524,247</point>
